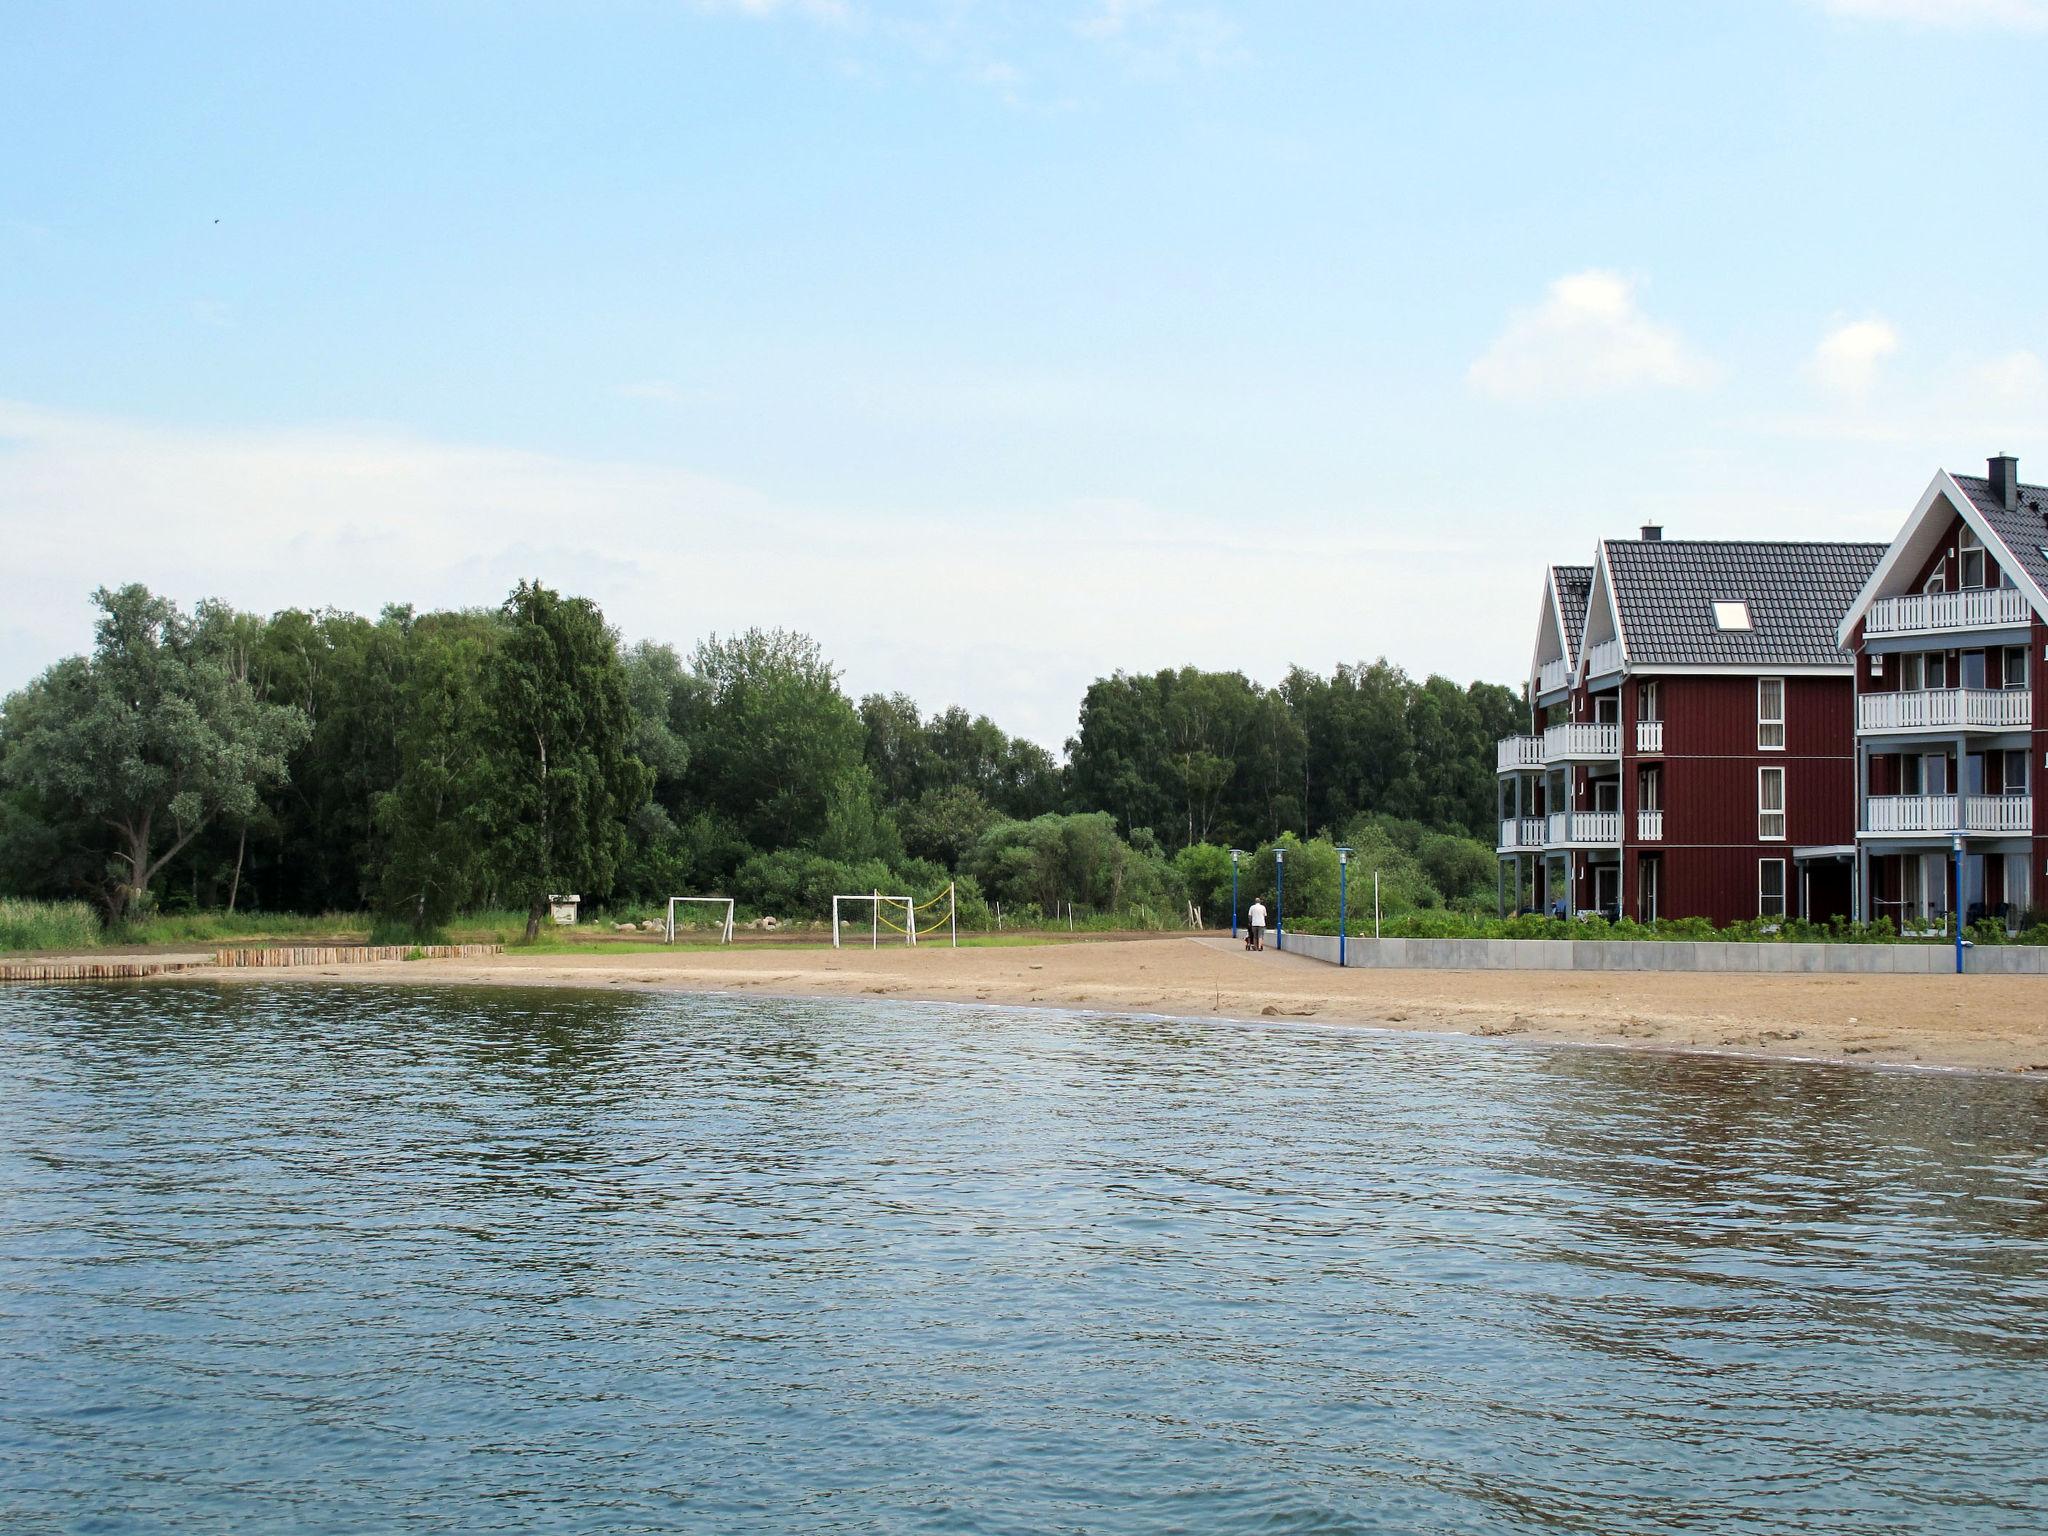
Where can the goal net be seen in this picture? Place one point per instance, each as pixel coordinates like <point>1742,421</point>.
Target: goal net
<point>898,916</point>
<point>724,926</point>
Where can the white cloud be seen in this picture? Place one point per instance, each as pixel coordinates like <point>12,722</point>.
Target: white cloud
<point>1849,357</point>
<point>1011,610</point>
<point>2017,15</point>
<point>817,10</point>
<point>1588,337</point>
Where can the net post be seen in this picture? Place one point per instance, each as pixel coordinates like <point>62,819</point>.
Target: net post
<point>953,910</point>
<point>875,920</point>
<point>910,920</point>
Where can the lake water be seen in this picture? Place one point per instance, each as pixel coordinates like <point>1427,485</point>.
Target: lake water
<point>307,1259</point>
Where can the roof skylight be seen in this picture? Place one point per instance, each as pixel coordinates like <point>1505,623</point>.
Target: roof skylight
<point>1731,615</point>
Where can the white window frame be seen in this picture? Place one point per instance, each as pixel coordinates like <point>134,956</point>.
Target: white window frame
<point>1765,724</point>
<point>2005,667</point>
<point>1648,705</point>
<point>1912,672</point>
<point>1784,888</point>
<point>1968,544</point>
<point>1938,582</point>
<point>1732,614</point>
<point>1764,814</point>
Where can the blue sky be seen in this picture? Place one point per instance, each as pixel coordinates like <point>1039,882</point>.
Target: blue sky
<point>998,345</point>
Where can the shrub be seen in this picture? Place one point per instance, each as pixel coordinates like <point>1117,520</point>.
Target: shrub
<point>47,925</point>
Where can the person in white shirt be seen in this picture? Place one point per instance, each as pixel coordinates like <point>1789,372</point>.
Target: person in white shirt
<point>1255,926</point>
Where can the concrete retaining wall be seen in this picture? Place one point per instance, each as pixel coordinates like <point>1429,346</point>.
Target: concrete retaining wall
<point>1624,955</point>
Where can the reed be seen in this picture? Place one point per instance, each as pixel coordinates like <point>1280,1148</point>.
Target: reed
<point>33,925</point>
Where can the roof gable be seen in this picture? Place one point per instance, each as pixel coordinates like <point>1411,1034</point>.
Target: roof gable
<point>1664,593</point>
<point>2017,540</point>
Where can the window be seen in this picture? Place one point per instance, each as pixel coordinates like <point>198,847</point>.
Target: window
<point>1770,805</point>
<point>1912,672</point>
<point>1649,875</point>
<point>1936,583</point>
<point>1937,669</point>
<point>1970,563</point>
<point>2015,773</point>
<point>1650,789</point>
<point>1607,708</point>
<point>2015,673</point>
<point>1973,671</point>
<point>1770,714</point>
<point>1770,887</point>
<point>1731,615</point>
<point>1646,701</point>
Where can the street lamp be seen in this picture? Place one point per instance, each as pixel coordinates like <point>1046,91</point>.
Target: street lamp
<point>1235,855</point>
<point>1279,898</point>
<point>1956,900</point>
<point>1343,887</point>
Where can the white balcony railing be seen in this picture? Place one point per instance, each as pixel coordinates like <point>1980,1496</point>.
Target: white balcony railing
<point>1912,815</point>
<point>1649,826</point>
<point>1582,738</point>
<point>1576,827</point>
<point>1649,735</point>
<point>1553,676</point>
<point>1522,832</point>
<point>1603,658</point>
<point>1934,612</point>
<point>1518,754</point>
<point>1946,709</point>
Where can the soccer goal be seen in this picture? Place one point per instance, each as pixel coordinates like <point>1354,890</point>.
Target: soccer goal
<point>724,929</point>
<point>926,918</point>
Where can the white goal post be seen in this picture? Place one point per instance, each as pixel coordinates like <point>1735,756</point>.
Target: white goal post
<point>725,928</point>
<point>877,902</point>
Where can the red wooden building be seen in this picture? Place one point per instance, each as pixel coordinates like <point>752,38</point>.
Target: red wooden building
<point>1950,643</point>
<point>1692,746</point>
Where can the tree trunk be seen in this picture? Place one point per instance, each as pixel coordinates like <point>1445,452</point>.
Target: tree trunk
<point>534,914</point>
<point>235,885</point>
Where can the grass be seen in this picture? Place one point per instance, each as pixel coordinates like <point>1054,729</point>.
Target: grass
<point>30,925</point>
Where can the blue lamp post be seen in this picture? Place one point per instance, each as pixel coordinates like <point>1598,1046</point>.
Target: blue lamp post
<point>1279,898</point>
<point>1956,901</point>
<point>1235,855</point>
<point>1343,887</point>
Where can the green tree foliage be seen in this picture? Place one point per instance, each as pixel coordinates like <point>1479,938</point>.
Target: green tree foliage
<point>433,825</point>
<point>776,743</point>
<point>148,741</point>
<point>1052,860</point>
<point>561,777</point>
<point>427,762</point>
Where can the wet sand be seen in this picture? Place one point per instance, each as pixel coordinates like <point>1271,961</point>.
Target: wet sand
<point>1984,1023</point>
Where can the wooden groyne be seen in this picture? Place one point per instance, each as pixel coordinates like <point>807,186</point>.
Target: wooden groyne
<point>117,968</point>
<point>348,954</point>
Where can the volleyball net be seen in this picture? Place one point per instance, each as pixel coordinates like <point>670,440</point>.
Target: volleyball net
<point>901,917</point>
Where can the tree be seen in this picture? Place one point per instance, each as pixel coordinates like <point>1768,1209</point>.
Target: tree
<point>150,739</point>
<point>433,822</point>
<point>562,777</point>
<point>776,743</point>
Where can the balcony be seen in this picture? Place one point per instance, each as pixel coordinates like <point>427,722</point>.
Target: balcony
<point>1525,832</point>
<point>1519,754</point>
<point>1571,829</point>
<point>1649,826</point>
<point>1553,676</point>
<point>1933,613</point>
<point>1650,736</point>
<point>1945,709</point>
<point>1946,815</point>
<point>1603,659</point>
<point>1582,739</point>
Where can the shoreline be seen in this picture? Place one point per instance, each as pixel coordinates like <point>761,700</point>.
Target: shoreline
<point>1971,1023</point>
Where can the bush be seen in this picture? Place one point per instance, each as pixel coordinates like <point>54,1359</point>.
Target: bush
<point>47,925</point>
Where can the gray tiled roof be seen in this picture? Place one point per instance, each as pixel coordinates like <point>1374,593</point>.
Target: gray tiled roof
<point>1665,589</point>
<point>2024,531</point>
<point>1574,586</point>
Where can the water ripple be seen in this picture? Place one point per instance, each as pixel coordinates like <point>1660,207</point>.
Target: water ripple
<point>362,1259</point>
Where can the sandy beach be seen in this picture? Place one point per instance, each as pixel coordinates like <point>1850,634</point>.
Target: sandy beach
<point>1985,1023</point>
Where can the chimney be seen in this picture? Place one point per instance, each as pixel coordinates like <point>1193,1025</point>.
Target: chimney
<point>2005,481</point>
<point>1652,533</point>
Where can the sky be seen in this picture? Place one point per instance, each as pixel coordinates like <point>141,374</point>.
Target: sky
<point>999,345</point>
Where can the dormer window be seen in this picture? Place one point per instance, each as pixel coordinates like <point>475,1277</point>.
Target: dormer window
<point>1731,615</point>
